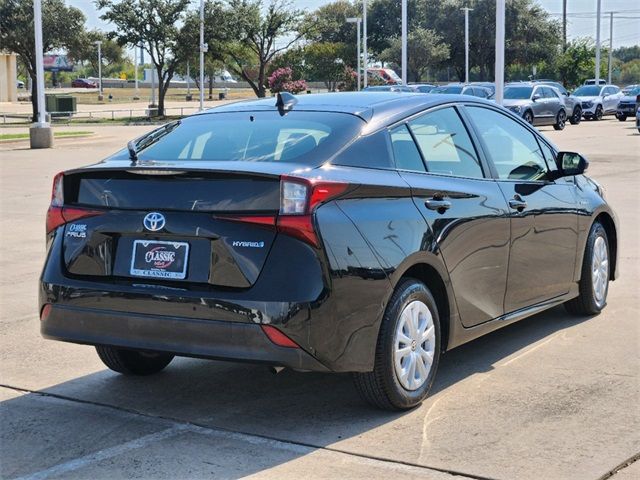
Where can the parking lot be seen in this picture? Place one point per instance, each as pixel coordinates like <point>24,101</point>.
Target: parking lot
<point>550,397</point>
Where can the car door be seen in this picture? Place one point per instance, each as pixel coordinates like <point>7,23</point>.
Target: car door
<point>612,99</point>
<point>465,211</point>
<point>554,102</point>
<point>539,106</point>
<point>544,222</point>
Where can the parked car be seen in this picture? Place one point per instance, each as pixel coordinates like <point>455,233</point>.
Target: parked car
<point>572,105</point>
<point>463,89</point>
<point>83,83</point>
<point>422,87</point>
<point>489,85</point>
<point>344,232</point>
<point>536,104</point>
<point>389,88</point>
<point>598,100</point>
<point>592,81</point>
<point>638,119</point>
<point>384,75</point>
<point>19,84</point>
<point>628,103</point>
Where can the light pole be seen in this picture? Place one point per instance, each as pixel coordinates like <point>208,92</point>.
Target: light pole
<point>499,67</point>
<point>466,43</point>
<point>610,45</point>
<point>135,61</point>
<point>404,41</point>
<point>598,10</point>
<point>99,44</point>
<point>365,58</point>
<point>40,133</point>
<point>357,21</point>
<point>202,50</point>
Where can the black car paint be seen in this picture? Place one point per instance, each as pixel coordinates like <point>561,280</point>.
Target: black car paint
<point>331,300</point>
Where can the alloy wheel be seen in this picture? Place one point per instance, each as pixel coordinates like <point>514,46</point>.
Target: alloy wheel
<point>599,113</point>
<point>414,345</point>
<point>600,270</point>
<point>528,117</point>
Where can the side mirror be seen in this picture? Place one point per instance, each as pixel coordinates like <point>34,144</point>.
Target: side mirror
<point>571,163</point>
<point>536,97</point>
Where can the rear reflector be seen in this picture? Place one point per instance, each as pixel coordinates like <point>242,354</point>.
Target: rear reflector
<point>46,310</point>
<point>277,337</point>
<point>265,220</point>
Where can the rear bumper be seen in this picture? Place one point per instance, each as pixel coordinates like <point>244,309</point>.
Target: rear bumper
<point>181,336</point>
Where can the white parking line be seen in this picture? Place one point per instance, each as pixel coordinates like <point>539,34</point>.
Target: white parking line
<point>111,452</point>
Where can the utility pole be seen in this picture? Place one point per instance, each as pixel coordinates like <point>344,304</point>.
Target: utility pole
<point>466,43</point>
<point>599,11</point>
<point>564,25</point>
<point>135,61</point>
<point>499,67</point>
<point>610,45</point>
<point>202,50</point>
<point>365,58</point>
<point>100,94</point>
<point>357,21</point>
<point>40,133</point>
<point>404,41</point>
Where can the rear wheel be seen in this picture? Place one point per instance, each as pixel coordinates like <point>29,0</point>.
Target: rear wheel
<point>407,352</point>
<point>133,362</point>
<point>599,113</point>
<point>594,280</point>
<point>561,120</point>
<point>576,117</point>
<point>528,117</point>
<point>621,117</point>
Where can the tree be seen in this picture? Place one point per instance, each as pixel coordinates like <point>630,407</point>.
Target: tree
<point>86,51</point>
<point>62,27</point>
<point>257,31</point>
<point>281,80</point>
<point>627,54</point>
<point>577,62</point>
<point>324,62</point>
<point>157,25</point>
<point>328,24</point>
<point>294,58</point>
<point>424,50</point>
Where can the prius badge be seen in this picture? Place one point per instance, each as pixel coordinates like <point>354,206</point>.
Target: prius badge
<point>154,221</point>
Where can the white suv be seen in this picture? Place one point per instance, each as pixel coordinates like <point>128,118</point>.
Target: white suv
<point>598,100</point>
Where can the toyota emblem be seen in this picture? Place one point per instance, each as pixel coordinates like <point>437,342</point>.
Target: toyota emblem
<point>153,221</point>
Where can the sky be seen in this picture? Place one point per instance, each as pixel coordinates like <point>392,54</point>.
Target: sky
<point>581,18</point>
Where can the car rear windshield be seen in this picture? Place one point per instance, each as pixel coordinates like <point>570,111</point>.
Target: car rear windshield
<point>517,93</point>
<point>310,138</point>
<point>451,90</point>
<point>588,91</point>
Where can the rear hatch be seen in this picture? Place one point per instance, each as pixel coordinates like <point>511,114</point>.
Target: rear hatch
<point>170,226</point>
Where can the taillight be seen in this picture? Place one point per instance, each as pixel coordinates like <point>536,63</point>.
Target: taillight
<point>58,214</point>
<point>299,197</point>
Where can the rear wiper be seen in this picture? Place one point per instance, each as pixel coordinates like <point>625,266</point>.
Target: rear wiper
<point>139,144</point>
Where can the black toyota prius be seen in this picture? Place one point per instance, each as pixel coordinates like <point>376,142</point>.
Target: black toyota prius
<point>352,232</point>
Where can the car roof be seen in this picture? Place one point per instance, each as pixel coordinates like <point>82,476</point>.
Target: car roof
<point>376,108</point>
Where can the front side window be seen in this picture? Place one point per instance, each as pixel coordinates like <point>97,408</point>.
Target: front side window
<point>445,144</point>
<point>517,93</point>
<point>405,151</point>
<point>513,149</point>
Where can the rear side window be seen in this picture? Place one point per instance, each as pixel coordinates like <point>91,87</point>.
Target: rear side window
<point>405,151</point>
<point>309,138</point>
<point>445,144</point>
<point>371,151</point>
<point>513,149</point>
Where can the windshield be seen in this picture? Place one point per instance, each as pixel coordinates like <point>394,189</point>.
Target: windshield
<point>448,89</point>
<point>588,91</point>
<point>517,93</point>
<point>310,138</point>
<point>631,92</point>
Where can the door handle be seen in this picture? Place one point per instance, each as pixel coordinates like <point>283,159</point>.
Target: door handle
<point>517,204</point>
<point>438,204</point>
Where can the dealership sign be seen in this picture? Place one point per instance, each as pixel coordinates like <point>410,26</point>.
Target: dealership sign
<point>57,63</point>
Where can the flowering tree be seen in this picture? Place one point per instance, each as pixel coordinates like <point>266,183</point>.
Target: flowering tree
<point>281,80</point>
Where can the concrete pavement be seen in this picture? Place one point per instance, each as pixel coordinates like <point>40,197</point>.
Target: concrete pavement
<point>553,396</point>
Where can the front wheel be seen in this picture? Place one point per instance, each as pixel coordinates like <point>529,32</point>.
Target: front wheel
<point>576,118</point>
<point>594,280</point>
<point>133,362</point>
<point>622,118</point>
<point>561,120</point>
<point>599,113</point>
<point>528,117</point>
<point>407,352</point>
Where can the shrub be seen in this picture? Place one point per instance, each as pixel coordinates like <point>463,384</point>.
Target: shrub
<point>281,80</point>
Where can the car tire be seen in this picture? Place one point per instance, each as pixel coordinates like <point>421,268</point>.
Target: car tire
<point>411,316</point>
<point>576,118</point>
<point>528,117</point>
<point>133,362</point>
<point>561,120</point>
<point>599,113</point>
<point>622,118</point>
<point>594,279</point>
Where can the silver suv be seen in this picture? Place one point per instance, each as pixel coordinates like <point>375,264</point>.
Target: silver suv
<point>537,104</point>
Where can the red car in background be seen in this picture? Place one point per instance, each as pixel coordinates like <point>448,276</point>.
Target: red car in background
<point>83,83</point>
